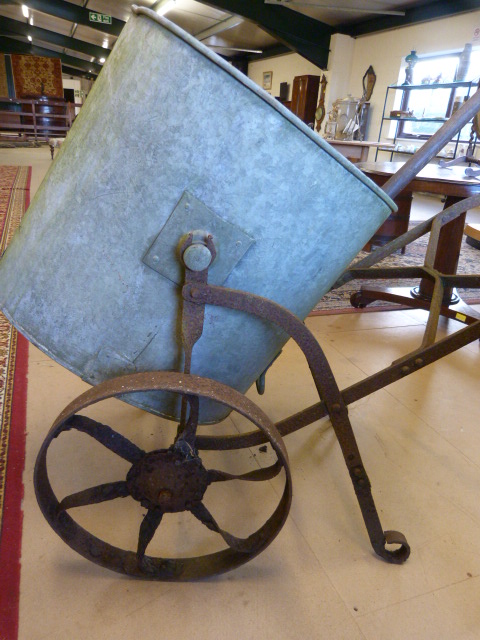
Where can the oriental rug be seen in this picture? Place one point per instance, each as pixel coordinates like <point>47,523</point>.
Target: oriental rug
<point>37,75</point>
<point>338,300</point>
<point>3,76</point>
<point>14,199</point>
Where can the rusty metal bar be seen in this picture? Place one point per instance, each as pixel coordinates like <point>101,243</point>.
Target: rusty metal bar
<point>435,309</point>
<point>413,234</point>
<point>466,281</point>
<point>329,393</point>
<point>408,364</point>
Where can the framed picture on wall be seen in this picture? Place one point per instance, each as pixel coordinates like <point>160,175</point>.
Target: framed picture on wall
<point>267,79</point>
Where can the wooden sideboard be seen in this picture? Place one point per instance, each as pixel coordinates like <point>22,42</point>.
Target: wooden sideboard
<point>36,117</point>
<point>304,97</point>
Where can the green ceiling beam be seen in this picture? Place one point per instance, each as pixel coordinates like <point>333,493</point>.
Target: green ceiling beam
<point>306,36</point>
<point>414,15</point>
<point>14,27</point>
<point>9,45</point>
<point>74,13</point>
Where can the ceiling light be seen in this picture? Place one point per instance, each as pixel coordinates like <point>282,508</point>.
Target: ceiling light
<point>25,10</point>
<point>102,60</point>
<point>31,21</point>
<point>105,44</point>
<point>29,38</point>
<point>166,7</point>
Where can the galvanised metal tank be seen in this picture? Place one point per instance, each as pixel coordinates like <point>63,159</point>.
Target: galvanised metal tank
<point>173,139</point>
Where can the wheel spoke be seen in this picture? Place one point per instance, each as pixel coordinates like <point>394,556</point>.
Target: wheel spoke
<point>106,436</point>
<point>201,512</point>
<point>95,495</point>
<point>187,430</point>
<point>148,527</point>
<point>267,473</point>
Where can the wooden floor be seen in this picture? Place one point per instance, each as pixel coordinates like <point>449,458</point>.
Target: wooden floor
<point>319,579</point>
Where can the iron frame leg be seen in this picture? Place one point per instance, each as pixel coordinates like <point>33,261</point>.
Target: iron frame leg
<point>329,393</point>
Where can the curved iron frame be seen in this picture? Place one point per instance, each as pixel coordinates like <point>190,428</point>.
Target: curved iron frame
<point>333,402</point>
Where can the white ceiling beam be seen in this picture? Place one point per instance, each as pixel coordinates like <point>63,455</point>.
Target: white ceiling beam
<point>224,25</point>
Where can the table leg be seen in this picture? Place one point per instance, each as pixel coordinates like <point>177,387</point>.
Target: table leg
<point>446,258</point>
<point>397,223</point>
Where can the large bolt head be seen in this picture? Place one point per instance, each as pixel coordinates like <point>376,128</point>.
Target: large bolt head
<point>197,257</point>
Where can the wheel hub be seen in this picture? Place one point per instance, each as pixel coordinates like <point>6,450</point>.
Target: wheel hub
<point>168,480</point>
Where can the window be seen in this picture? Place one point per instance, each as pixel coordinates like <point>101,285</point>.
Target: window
<point>430,104</point>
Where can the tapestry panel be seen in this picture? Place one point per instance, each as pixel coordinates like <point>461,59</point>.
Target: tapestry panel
<point>3,77</point>
<point>36,75</point>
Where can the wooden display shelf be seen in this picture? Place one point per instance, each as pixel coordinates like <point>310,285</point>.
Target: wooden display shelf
<point>37,118</point>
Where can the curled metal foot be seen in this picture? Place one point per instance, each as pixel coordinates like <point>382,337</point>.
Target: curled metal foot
<point>394,556</point>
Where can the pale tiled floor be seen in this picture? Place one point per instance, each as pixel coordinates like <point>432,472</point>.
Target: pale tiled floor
<point>319,578</point>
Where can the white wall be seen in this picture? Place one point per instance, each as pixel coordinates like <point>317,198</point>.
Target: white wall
<point>72,83</point>
<point>340,60</point>
<point>284,69</point>
<point>287,66</point>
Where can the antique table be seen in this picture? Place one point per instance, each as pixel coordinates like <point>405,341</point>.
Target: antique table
<point>454,185</point>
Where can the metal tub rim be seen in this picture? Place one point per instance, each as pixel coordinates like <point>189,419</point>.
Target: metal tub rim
<point>266,97</point>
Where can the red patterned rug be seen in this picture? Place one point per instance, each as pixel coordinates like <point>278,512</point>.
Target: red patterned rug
<point>36,75</point>
<point>14,199</point>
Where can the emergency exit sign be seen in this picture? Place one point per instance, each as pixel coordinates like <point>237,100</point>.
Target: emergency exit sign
<point>101,18</point>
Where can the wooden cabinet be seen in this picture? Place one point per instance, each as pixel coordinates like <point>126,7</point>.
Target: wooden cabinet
<point>45,111</point>
<point>304,97</point>
<point>8,119</point>
<point>36,117</point>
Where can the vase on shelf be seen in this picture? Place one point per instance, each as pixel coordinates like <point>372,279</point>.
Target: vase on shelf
<point>411,61</point>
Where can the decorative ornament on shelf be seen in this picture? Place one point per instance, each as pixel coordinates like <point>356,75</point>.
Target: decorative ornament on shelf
<point>399,113</point>
<point>411,61</point>
<point>347,118</point>
<point>369,80</point>
<point>320,112</point>
<point>464,63</point>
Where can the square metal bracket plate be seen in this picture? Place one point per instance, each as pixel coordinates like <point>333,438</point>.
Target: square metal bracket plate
<point>190,214</point>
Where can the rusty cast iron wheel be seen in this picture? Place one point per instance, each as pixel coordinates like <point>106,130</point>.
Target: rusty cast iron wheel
<point>164,481</point>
